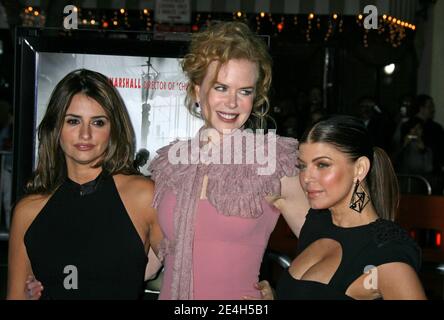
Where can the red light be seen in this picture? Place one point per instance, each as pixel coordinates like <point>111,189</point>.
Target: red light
<point>195,28</point>
<point>438,239</point>
<point>280,26</point>
<point>105,24</point>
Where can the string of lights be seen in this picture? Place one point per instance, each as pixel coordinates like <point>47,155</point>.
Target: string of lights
<point>309,26</point>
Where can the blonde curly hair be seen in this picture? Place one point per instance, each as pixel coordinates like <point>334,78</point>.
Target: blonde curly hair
<point>222,42</point>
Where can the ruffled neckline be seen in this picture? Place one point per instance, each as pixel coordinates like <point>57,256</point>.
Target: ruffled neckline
<point>227,181</point>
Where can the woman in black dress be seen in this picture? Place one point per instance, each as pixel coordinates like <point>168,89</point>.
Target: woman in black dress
<point>86,224</point>
<point>348,247</point>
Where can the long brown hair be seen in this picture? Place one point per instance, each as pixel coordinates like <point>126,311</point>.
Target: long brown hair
<point>118,158</point>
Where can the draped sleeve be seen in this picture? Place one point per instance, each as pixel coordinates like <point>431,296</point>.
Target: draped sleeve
<point>238,189</point>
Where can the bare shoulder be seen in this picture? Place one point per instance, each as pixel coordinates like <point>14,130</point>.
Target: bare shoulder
<point>292,194</point>
<point>27,209</point>
<point>136,193</point>
<point>138,188</point>
<point>398,280</point>
<point>292,203</point>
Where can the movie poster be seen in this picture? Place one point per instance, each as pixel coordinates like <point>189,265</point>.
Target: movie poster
<point>153,89</point>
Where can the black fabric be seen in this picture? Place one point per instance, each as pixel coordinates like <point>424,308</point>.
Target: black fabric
<point>377,243</point>
<point>88,227</point>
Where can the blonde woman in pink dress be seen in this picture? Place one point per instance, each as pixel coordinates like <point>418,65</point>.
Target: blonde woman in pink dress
<point>217,194</point>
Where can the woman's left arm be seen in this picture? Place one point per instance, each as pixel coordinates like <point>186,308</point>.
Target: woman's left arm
<point>155,237</point>
<point>154,233</point>
<point>138,194</point>
<point>399,281</point>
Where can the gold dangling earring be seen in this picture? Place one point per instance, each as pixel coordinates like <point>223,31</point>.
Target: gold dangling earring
<point>359,198</point>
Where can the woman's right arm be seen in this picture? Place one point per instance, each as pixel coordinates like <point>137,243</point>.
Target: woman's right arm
<point>19,266</point>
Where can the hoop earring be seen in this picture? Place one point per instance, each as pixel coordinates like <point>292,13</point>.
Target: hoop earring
<point>359,198</point>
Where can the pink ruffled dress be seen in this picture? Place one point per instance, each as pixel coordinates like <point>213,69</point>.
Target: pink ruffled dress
<point>213,248</point>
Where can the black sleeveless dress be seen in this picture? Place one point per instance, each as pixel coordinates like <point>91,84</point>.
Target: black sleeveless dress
<point>377,243</point>
<point>83,244</point>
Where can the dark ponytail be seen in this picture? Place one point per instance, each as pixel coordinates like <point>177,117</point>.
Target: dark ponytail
<point>383,185</point>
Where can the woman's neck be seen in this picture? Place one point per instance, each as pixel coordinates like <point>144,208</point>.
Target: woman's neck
<point>83,174</point>
<point>343,216</point>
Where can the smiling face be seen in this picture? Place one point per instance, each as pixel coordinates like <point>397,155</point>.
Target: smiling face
<point>85,133</point>
<point>327,175</point>
<point>227,103</point>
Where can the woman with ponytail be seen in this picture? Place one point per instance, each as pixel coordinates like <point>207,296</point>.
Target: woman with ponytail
<point>349,247</point>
